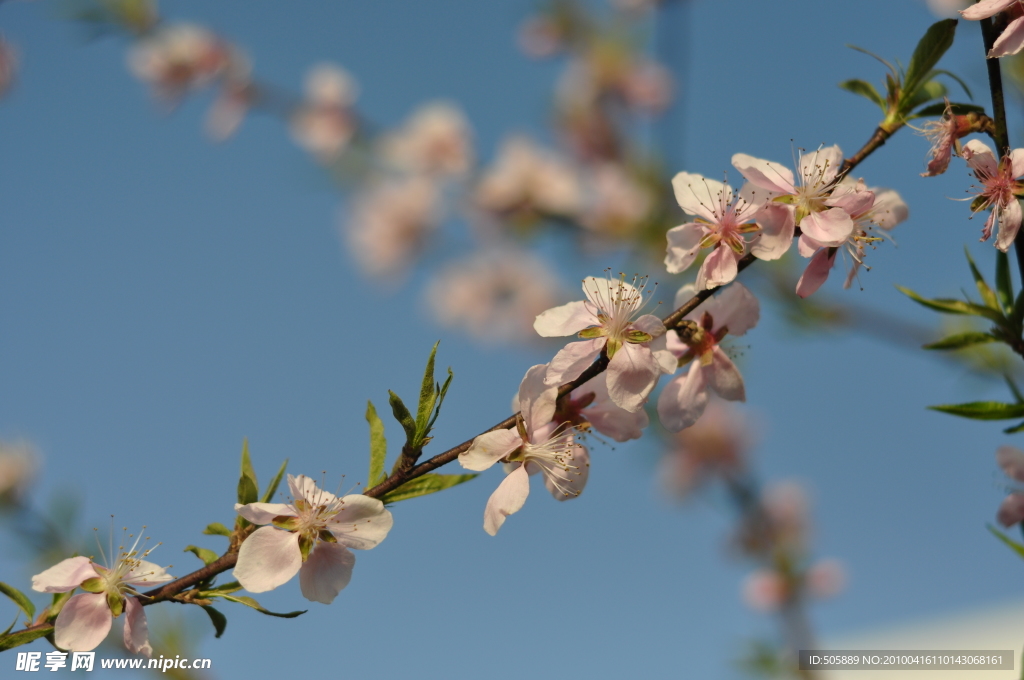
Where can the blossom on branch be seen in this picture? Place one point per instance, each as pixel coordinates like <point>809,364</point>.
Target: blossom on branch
<point>608,321</point>
<point>723,220</point>
<point>714,446</point>
<point>999,190</point>
<point>310,536</point>
<point>179,58</point>
<point>324,123</point>
<point>526,182</point>
<point>537,444</point>
<point>945,134</point>
<point>1011,510</point>
<point>589,405</point>
<point>435,140</point>
<point>85,619</point>
<point>1011,40</point>
<point>733,311</point>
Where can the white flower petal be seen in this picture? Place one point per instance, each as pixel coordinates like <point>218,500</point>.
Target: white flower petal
<point>765,174</point>
<point>83,622</point>
<point>264,513</point>
<point>632,374</point>
<point>362,523</point>
<point>573,359</point>
<point>700,196</point>
<point>568,319</point>
<point>136,631</point>
<point>725,378</point>
<point>267,559</point>
<point>64,576</point>
<point>683,246</point>
<point>537,399</point>
<point>507,499</point>
<point>489,448</point>
<point>146,573</point>
<point>567,484</point>
<point>326,573</point>
<point>683,400</point>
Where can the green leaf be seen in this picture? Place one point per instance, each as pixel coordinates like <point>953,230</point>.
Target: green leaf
<point>218,591</point>
<point>892,69</point>
<point>219,621</point>
<point>428,394</point>
<point>274,483</point>
<point>205,555</point>
<point>11,627</point>
<point>248,488</point>
<point>216,529</point>
<point>987,295</point>
<point>1017,315</point>
<point>23,638</point>
<point>1012,544</point>
<point>1013,388</point>
<point>440,398</point>
<point>983,410</point>
<point>937,39</point>
<point>961,83</point>
<point>249,602</point>
<point>929,91</point>
<point>24,604</point>
<point>426,484</point>
<point>864,89</point>
<point>961,340</point>
<point>378,446</point>
<point>940,108</point>
<point>1004,282</point>
<point>950,306</point>
<point>1014,429</point>
<point>403,416</point>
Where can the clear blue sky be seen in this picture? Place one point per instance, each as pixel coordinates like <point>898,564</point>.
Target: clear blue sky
<point>162,297</point>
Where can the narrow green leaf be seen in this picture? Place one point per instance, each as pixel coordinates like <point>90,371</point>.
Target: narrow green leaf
<point>1004,281</point>
<point>1012,544</point>
<point>205,555</point>
<point>987,295</point>
<point>11,627</point>
<point>216,529</point>
<point>940,108</point>
<point>1014,429</point>
<point>950,306</point>
<point>936,40</point>
<point>1017,315</point>
<point>892,69</point>
<point>983,410</point>
<point>930,90</point>
<point>441,392</point>
<point>378,445</point>
<point>248,488</point>
<point>961,340</point>
<point>864,89</point>
<point>225,589</point>
<point>427,484</point>
<point>961,83</point>
<point>249,602</point>
<point>23,638</point>
<point>274,483</point>
<point>219,621</point>
<point>403,416</point>
<point>24,604</point>
<point>428,395</point>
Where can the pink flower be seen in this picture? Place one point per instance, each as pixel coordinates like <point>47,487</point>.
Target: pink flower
<point>536,445</point>
<point>723,220</point>
<point>999,190</point>
<point>324,123</point>
<point>85,619</point>
<point>714,446</point>
<point>590,406</point>
<point>236,95</point>
<point>810,195</point>
<point>868,208</point>
<point>526,181</point>
<point>179,58</point>
<point>607,320</point>
<point>1011,41</point>
<point>435,140</point>
<point>945,134</point>
<point>733,311</point>
<point>617,203</point>
<point>1011,511</point>
<point>318,530</point>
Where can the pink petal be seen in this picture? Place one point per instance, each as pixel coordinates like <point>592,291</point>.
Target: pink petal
<point>718,268</point>
<point>489,448</point>
<point>1011,459</point>
<point>752,199</point>
<point>821,166</point>
<point>267,559</point>
<point>1017,162</point>
<point>777,229</point>
<point>650,324</point>
<point>683,246</point>
<point>537,399</point>
<point>64,576</point>
<point>559,481</point>
<point>765,174</point>
<point>855,200</point>
<point>684,294</point>
<point>980,158</point>
<point>1011,510</point>
<point>683,400</point>
<point>985,9</point>
<point>632,374</point>
<point>734,307</point>
<point>617,423</point>
<point>816,273</point>
<point>667,361</point>
<point>573,359</point>
<point>830,227</point>
<point>326,573</point>
<point>567,319</point>
<point>146,573</point>
<point>807,246</point>
<point>83,622</point>
<point>700,196</point>
<point>604,293</point>
<point>889,209</point>
<point>304,488</point>
<point>362,523</point>
<point>136,632</point>
<point>264,513</point>
<point>725,378</point>
<point>507,499</point>
<point>1009,225</point>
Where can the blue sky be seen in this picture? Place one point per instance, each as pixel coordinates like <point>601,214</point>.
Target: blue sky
<point>162,297</point>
